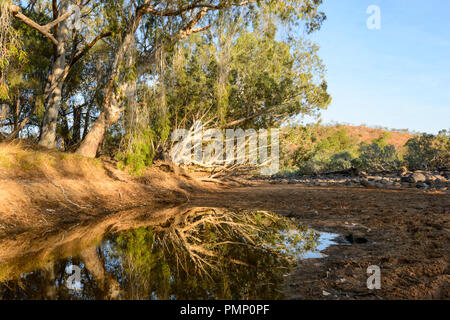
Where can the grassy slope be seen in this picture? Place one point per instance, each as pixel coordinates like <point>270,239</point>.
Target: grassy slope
<point>366,134</point>
<point>45,189</point>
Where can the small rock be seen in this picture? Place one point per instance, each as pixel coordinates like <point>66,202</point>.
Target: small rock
<point>355,239</point>
<point>422,185</point>
<point>418,177</point>
<point>326,293</point>
<point>368,184</point>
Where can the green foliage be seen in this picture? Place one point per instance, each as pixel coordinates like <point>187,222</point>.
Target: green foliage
<point>428,151</point>
<point>297,145</point>
<point>326,149</point>
<point>139,153</point>
<point>340,161</point>
<point>338,142</point>
<point>333,153</point>
<point>377,157</point>
<point>10,47</point>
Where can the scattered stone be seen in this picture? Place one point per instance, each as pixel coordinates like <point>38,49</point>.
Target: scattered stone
<point>418,177</point>
<point>355,239</point>
<point>414,178</point>
<point>326,293</point>
<point>422,185</point>
<point>367,183</point>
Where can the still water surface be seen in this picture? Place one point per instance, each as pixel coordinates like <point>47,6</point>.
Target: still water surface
<point>204,253</point>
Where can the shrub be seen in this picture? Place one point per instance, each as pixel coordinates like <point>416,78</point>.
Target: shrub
<point>340,161</point>
<point>428,151</point>
<point>140,152</point>
<point>376,157</point>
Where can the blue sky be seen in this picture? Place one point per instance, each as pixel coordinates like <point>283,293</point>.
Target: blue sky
<point>398,76</point>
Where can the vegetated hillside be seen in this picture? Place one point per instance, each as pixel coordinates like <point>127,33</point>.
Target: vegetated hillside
<point>365,134</point>
<point>314,149</point>
<point>356,134</point>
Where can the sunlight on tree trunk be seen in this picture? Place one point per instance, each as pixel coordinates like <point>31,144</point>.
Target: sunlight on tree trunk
<point>48,135</point>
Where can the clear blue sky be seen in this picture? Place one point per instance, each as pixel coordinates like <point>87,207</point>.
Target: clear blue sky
<point>399,76</point>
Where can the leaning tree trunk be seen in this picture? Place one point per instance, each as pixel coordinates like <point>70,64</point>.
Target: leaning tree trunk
<point>48,134</point>
<point>89,145</point>
<point>111,112</point>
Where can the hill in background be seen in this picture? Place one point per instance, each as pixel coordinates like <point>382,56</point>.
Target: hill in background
<point>367,134</point>
<point>313,149</point>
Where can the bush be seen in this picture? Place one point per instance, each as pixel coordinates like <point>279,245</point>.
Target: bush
<point>340,161</point>
<point>376,157</point>
<point>139,153</point>
<point>428,151</point>
<point>333,153</point>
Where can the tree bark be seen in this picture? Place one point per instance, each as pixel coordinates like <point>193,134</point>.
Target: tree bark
<point>89,145</point>
<point>111,112</point>
<point>76,129</point>
<point>48,135</point>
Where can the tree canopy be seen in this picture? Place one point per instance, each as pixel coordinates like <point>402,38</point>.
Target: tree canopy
<point>127,73</point>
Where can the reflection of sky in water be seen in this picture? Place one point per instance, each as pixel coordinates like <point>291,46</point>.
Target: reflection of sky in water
<point>325,240</point>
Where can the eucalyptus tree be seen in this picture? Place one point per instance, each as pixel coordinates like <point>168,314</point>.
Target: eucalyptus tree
<point>50,19</point>
<point>121,46</point>
<point>182,18</point>
<point>239,73</point>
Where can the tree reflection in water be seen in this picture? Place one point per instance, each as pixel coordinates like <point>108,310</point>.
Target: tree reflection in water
<point>204,253</point>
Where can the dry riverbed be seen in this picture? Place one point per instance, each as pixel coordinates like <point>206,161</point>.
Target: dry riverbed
<point>404,229</point>
<point>405,232</point>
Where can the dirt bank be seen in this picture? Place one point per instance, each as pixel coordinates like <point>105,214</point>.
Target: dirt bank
<point>44,190</point>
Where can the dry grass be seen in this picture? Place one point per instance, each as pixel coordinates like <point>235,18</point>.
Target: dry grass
<point>18,160</point>
<point>46,189</point>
